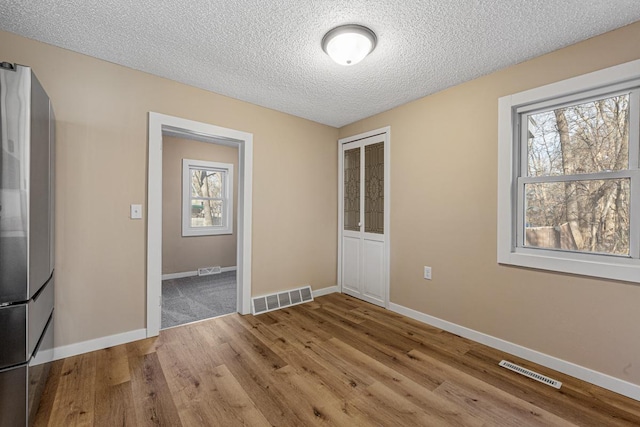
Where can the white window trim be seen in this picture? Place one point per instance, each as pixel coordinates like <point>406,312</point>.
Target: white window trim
<point>603,266</point>
<point>227,216</point>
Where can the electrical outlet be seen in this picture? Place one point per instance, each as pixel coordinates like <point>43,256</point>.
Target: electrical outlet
<point>427,272</point>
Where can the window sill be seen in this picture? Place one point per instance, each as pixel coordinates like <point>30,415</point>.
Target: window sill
<point>623,269</point>
<point>206,232</point>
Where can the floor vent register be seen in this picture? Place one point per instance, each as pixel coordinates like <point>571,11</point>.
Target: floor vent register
<point>280,300</point>
<point>207,271</point>
<point>531,374</point>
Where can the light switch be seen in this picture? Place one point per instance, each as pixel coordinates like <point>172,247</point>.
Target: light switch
<point>136,212</point>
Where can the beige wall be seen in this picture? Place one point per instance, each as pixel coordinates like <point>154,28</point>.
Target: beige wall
<point>443,178</point>
<point>443,214</point>
<point>182,254</point>
<point>101,159</point>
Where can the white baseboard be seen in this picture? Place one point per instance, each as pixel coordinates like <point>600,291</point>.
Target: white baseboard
<point>193,273</point>
<point>594,377</point>
<point>179,275</point>
<point>98,344</point>
<point>43,356</point>
<point>325,291</point>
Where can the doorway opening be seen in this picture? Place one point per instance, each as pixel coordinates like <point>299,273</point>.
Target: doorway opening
<point>161,126</point>
<point>199,233</point>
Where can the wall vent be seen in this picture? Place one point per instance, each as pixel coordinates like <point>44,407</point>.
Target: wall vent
<point>283,299</point>
<point>206,271</point>
<point>531,374</point>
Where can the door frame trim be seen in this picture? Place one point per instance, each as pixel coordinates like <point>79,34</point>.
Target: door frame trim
<point>159,125</point>
<point>386,131</point>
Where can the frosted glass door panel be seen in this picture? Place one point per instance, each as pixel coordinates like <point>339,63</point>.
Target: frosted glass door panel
<point>352,189</point>
<point>374,188</point>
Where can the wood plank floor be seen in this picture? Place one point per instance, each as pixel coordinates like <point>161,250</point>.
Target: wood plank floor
<point>334,362</point>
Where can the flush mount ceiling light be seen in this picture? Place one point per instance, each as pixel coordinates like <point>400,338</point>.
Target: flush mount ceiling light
<point>349,44</point>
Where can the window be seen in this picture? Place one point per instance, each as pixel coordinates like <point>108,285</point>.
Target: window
<point>207,198</point>
<point>569,175</point>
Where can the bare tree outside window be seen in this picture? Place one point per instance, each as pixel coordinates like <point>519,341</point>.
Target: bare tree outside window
<point>207,193</point>
<point>569,175</point>
<point>582,206</point>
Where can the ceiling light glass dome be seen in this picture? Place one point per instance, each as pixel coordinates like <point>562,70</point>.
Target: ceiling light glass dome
<point>349,44</point>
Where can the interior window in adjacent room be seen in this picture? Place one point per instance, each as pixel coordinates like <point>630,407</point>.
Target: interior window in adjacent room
<point>207,198</point>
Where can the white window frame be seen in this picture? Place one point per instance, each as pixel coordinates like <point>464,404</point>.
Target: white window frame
<point>511,250</point>
<point>227,198</point>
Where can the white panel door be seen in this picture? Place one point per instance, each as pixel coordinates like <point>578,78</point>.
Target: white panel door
<point>351,268</point>
<point>364,262</point>
<point>373,270</point>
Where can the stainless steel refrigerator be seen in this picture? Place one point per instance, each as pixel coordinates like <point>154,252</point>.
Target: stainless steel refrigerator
<point>26,243</point>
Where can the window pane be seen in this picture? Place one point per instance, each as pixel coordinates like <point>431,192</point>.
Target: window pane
<point>207,183</point>
<point>584,138</point>
<point>352,189</point>
<point>374,188</point>
<point>585,216</point>
<point>207,213</point>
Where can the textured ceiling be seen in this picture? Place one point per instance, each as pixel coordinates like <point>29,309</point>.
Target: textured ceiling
<point>268,52</point>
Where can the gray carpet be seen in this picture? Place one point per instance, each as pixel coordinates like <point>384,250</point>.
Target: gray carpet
<point>195,298</point>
